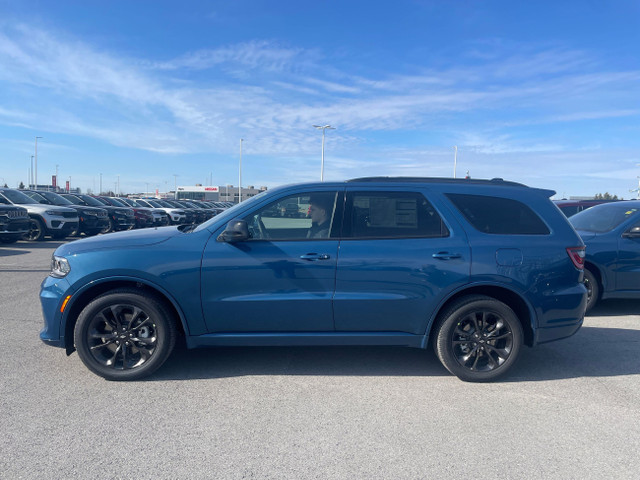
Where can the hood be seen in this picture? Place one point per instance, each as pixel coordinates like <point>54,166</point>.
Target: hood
<point>42,207</point>
<point>117,240</point>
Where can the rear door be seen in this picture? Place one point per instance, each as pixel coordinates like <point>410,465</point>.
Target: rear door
<point>398,258</point>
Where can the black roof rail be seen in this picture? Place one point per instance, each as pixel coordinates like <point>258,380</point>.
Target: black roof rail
<point>462,181</point>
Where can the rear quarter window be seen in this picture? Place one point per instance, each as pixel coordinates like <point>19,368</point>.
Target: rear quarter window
<point>498,215</point>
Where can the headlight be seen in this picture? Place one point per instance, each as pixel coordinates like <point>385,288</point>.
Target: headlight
<point>89,212</point>
<point>54,212</point>
<point>59,267</point>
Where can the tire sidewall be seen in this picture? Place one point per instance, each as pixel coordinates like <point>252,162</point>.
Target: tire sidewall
<point>595,288</point>
<point>164,325</point>
<point>447,326</point>
<point>40,225</point>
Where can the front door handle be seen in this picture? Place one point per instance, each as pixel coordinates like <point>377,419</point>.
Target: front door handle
<point>312,257</point>
<point>446,255</point>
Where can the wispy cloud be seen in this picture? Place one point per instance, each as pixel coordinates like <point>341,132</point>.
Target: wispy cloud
<point>158,106</point>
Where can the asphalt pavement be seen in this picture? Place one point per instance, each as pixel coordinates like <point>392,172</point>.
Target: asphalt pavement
<point>569,410</point>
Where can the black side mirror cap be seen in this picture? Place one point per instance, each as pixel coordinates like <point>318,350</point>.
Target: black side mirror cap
<point>236,231</point>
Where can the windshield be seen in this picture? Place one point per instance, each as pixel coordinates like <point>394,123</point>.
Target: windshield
<point>154,203</point>
<point>101,200</point>
<point>117,202</point>
<point>38,198</point>
<point>18,197</point>
<point>72,199</point>
<point>603,218</point>
<point>92,201</point>
<point>55,198</point>
<point>230,213</point>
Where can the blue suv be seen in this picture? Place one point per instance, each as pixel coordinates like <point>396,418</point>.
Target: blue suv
<point>474,268</point>
<point>612,234</point>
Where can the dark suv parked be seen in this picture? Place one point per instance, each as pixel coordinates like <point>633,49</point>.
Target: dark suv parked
<point>476,268</point>
<point>14,223</point>
<point>92,220</point>
<point>120,218</point>
<point>143,217</point>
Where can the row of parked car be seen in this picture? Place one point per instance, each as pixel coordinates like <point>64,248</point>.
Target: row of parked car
<point>35,214</point>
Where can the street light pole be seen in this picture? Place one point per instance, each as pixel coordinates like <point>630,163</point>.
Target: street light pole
<point>240,174</point>
<point>36,170</point>
<point>455,159</point>
<point>31,173</point>
<point>323,128</point>
<point>100,184</point>
<point>175,186</point>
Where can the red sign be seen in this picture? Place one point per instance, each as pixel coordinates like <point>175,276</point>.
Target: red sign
<point>67,186</point>
<point>54,181</point>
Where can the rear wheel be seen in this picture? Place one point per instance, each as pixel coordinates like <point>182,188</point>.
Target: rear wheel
<point>124,335</point>
<point>478,338</point>
<point>36,230</point>
<point>593,289</point>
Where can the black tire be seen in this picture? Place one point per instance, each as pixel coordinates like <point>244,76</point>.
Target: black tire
<point>478,338</point>
<point>124,335</point>
<point>111,227</point>
<point>37,230</point>
<point>593,289</point>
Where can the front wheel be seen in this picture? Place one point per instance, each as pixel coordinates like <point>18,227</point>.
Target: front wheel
<point>124,335</point>
<point>478,338</point>
<point>37,230</point>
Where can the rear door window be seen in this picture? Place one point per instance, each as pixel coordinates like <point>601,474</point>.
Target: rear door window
<point>498,215</point>
<point>391,215</point>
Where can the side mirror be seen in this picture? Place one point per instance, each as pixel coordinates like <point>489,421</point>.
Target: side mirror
<point>236,231</point>
<point>633,233</point>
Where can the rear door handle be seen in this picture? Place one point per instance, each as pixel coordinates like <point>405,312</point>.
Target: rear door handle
<point>446,255</point>
<point>312,257</point>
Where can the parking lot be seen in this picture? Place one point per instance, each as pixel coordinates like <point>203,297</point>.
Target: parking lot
<point>570,409</point>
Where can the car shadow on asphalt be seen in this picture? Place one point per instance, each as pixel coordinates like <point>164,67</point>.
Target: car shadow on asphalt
<point>611,307</point>
<point>592,352</point>
<point>11,251</point>
<point>39,245</point>
<point>222,362</point>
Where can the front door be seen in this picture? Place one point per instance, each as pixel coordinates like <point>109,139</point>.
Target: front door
<point>283,278</point>
<point>628,267</point>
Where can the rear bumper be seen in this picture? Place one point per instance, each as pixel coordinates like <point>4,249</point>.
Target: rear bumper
<point>561,313</point>
<point>550,334</point>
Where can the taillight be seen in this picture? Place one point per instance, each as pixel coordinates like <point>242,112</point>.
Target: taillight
<point>576,254</point>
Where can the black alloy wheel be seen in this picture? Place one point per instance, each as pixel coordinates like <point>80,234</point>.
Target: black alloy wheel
<point>124,335</point>
<point>111,227</point>
<point>36,230</point>
<point>478,338</point>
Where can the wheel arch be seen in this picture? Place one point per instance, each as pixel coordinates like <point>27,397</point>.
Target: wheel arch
<point>515,301</point>
<point>593,268</point>
<point>93,290</point>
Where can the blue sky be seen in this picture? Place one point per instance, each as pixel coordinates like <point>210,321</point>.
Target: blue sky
<point>545,93</point>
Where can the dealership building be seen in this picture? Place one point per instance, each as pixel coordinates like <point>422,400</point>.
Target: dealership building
<point>220,193</point>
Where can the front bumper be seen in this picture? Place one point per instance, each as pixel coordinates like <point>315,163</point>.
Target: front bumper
<point>52,293</point>
<point>124,223</point>
<point>15,226</point>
